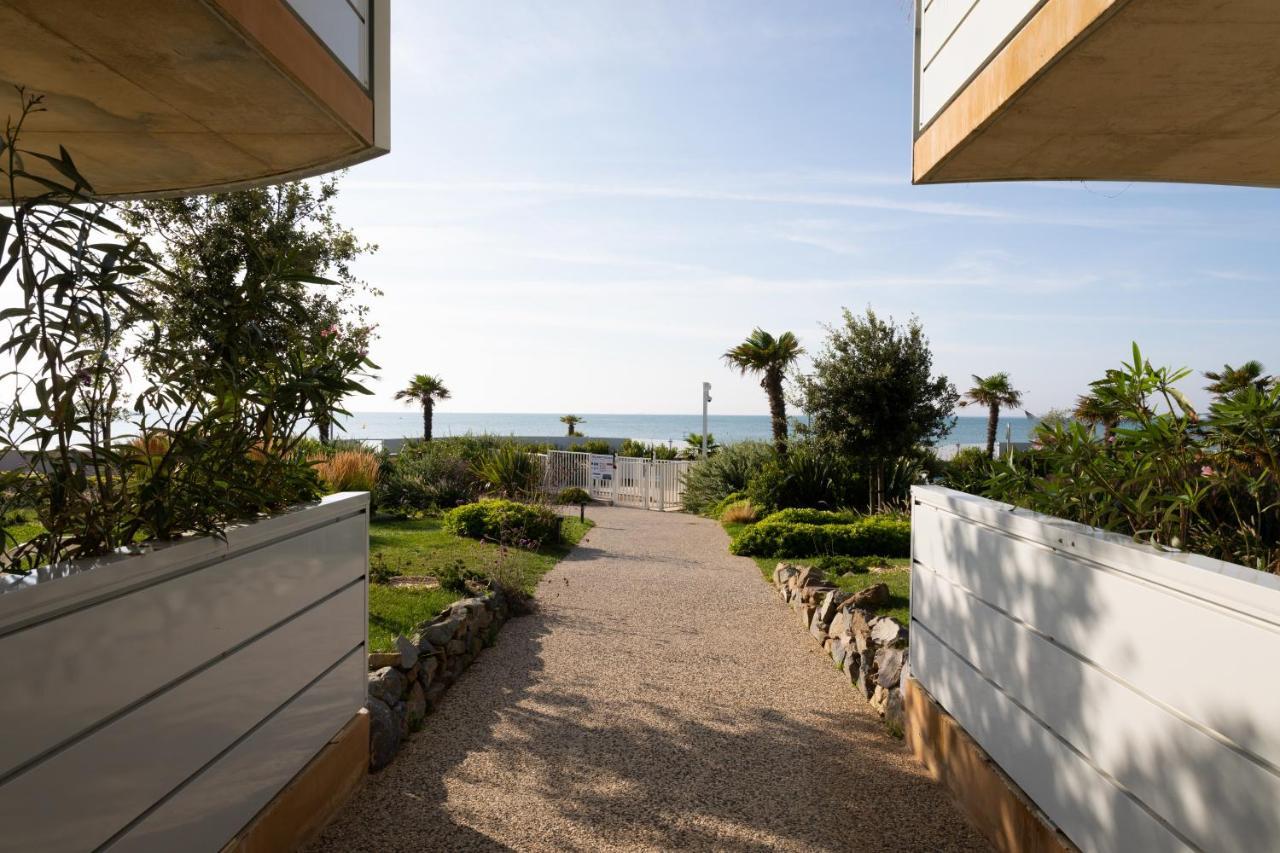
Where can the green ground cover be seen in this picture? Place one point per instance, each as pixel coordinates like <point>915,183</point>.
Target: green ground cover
<point>898,578</point>
<point>420,546</point>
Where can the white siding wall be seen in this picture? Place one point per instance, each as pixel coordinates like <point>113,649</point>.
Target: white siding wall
<point>956,38</point>
<point>158,701</point>
<point>1130,692</point>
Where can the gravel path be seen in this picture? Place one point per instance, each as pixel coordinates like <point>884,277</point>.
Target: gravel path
<point>662,699</point>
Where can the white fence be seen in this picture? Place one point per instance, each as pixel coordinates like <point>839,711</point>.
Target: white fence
<point>624,480</point>
<point>1130,692</point>
<point>158,701</point>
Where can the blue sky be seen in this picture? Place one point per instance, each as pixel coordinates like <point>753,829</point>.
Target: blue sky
<point>587,202</point>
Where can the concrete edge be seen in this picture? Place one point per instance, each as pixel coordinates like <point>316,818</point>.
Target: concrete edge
<point>311,798</point>
<point>992,802</point>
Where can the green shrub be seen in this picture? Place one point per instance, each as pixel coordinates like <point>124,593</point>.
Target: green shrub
<point>714,479</point>
<point>573,496</point>
<point>808,476</point>
<point>803,515</point>
<point>833,566</point>
<point>511,471</point>
<point>633,448</point>
<point>429,477</point>
<point>505,521</point>
<point>888,535</point>
<point>593,445</point>
<point>968,470</point>
<point>455,575</point>
<point>717,509</point>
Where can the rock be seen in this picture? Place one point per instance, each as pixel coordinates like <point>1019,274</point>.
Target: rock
<point>384,734</point>
<point>427,671</point>
<point>416,706</point>
<point>439,632</point>
<point>377,660</point>
<point>841,625</point>
<point>817,628</point>
<point>860,628</point>
<point>876,595</point>
<point>456,647</point>
<point>813,593</point>
<point>838,647</point>
<point>434,694</point>
<point>399,711</point>
<point>879,698</point>
<point>784,572</point>
<point>474,645</point>
<point>888,665</point>
<point>806,612</point>
<point>828,604</point>
<point>857,665</point>
<point>894,711</point>
<point>423,644</point>
<point>887,632</point>
<point>408,652</point>
<point>387,685</point>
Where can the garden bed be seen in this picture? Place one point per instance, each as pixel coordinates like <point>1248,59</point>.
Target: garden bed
<point>421,546</point>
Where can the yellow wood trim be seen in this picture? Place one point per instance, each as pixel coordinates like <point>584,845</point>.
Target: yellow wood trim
<point>288,43</point>
<point>1054,28</point>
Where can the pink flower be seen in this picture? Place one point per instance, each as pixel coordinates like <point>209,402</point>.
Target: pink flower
<point>332,330</point>
<point>1206,470</point>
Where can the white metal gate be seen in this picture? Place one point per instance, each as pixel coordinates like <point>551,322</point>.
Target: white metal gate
<point>624,480</point>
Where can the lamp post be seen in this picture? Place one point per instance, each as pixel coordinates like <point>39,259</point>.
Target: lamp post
<point>706,398</point>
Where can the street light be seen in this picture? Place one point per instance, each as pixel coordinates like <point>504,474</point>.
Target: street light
<point>706,398</point>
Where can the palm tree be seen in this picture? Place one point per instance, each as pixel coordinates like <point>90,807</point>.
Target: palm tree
<point>1229,380</point>
<point>1093,410</point>
<point>770,357</point>
<point>996,393</point>
<point>572,421</point>
<point>424,390</point>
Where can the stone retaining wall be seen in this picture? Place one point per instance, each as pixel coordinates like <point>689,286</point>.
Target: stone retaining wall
<point>871,650</point>
<point>409,683</point>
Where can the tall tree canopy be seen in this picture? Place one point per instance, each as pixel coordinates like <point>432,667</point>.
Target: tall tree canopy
<point>872,394</point>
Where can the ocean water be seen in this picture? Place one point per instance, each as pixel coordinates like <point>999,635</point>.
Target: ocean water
<point>647,428</point>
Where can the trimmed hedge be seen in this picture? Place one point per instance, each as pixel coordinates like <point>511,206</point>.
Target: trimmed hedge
<point>504,521</point>
<point>877,535</point>
<point>802,515</point>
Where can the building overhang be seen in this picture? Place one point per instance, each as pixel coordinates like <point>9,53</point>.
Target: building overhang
<point>171,97</point>
<point>1123,90</point>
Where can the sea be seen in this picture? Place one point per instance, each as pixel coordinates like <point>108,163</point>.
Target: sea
<point>664,429</point>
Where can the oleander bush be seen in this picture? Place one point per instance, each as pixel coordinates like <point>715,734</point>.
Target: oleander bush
<point>505,521</point>
<point>1160,471</point>
<point>887,535</point>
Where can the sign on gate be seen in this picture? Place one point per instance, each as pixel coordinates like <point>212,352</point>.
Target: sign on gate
<point>601,467</point>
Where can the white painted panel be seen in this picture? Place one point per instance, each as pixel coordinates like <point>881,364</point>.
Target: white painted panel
<point>214,806</point>
<point>939,22</point>
<point>106,779</point>
<point>1124,622</point>
<point>69,673</point>
<point>1148,668</point>
<point>1177,769</point>
<point>1093,813</point>
<point>945,70</point>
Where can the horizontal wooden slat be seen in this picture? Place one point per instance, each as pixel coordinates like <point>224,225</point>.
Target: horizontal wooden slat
<point>80,796</point>
<point>1175,768</point>
<point>1165,643</point>
<point>1094,814</point>
<point>214,806</point>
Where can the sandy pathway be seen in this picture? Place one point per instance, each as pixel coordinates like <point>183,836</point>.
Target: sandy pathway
<point>662,699</point>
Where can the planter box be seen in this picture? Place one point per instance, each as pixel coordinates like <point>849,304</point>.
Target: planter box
<point>157,701</point>
<point>1128,690</point>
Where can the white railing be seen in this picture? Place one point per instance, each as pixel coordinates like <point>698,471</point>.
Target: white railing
<point>624,480</point>
<point>1129,691</point>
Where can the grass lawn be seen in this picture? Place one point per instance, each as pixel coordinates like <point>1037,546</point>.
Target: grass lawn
<point>418,546</point>
<point>22,526</point>
<point>898,579</point>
